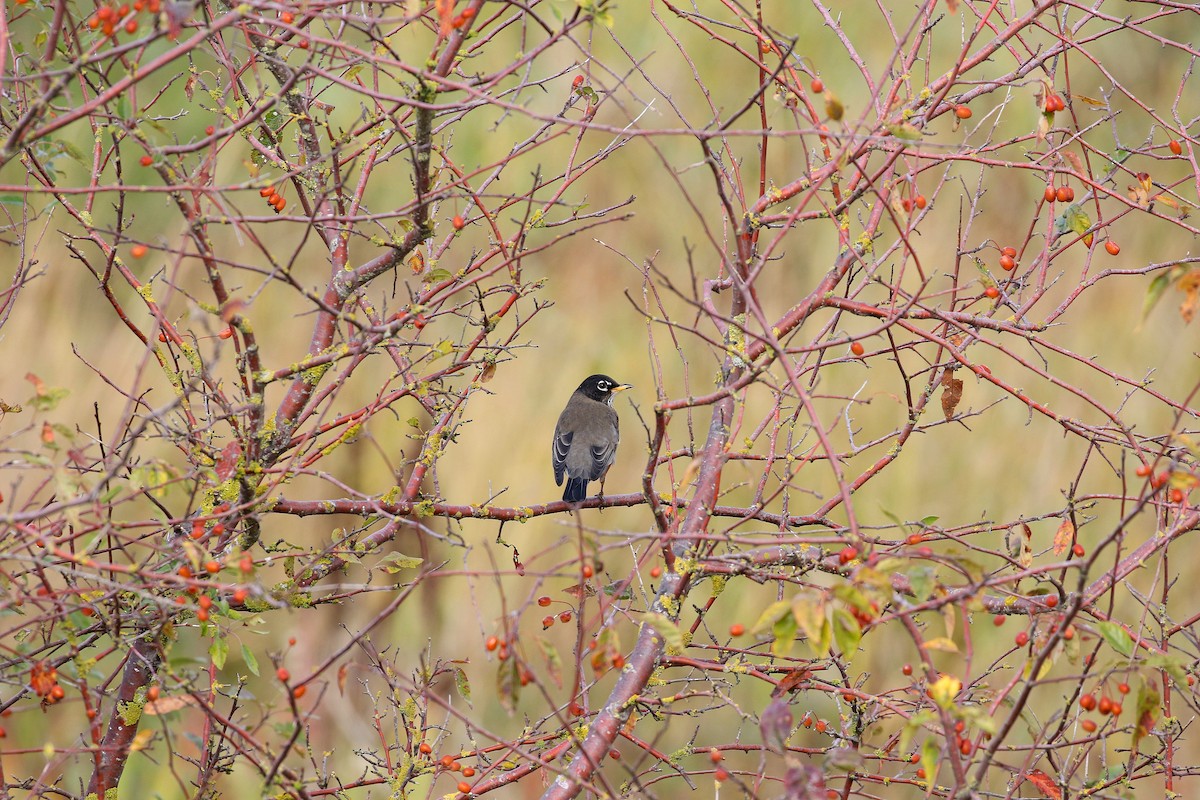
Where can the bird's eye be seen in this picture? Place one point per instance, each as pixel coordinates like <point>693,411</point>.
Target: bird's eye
<point>602,386</point>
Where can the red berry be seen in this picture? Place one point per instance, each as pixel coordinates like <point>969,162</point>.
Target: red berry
<point>1064,193</point>
<point>468,772</point>
<point>999,620</point>
<point>577,82</point>
<point>857,348</point>
<point>1175,147</point>
<point>587,571</point>
<point>1112,247</point>
<point>655,571</point>
<point>714,755</point>
<point>1011,252</point>
<point>138,250</point>
<point>204,601</point>
<point>547,621</point>
<point>1105,706</point>
<point>818,86</point>
<point>720,774</point>
<point>737,629</point>
<point>1049,194</point>
<point>1088,725</point>
<point>1007,263</point>
<point>919,201</point>
<point>291,641</point>
<point>240,595</point>
<point>147,161</point>
<point>458,222</point>
<point>287,17</point>
<point>962,112</point>
<point>1123,688</point>
<point>1078,551</point>
<point>1022,639</point>
<point>464,787</point>
<point>543,601</point>
<point>202,615</point>
<point>1144,470</point>
<point>210,130</point>
<point>1177,495</point>
<point>564,616</point>
<point>492,643</point>
<point>283,674</point>
<point>992,292</point>
<point>1051,600</point>
<point>1087,702</point>
<point>847,554</point>
<point>299,691</point>
<point>131,26</point>
<point>906,669</point>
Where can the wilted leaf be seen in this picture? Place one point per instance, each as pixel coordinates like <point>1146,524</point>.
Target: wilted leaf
<point>803,782</point>
<point>905,130</point>
<point>1045,783</point>
<point>1149,704</point>
<point>342,673</point>
<point>1189,284</point>
<point>1159,285</point>
<point>487,373</point>
<point>1064,537</point>
<point>952,389</point>
<point>507,684</point>
<point>1019,543</point>
<point>552,658</point>
<point>944,690</point>
<point>1074,219</point>
<point>942,643</point>
<point>776,725</point>
<point>770,615</point>
<point>809,614</point>
<point>1117,637</point>
<point>833,106</point>
<point>165,705</point>
<point>794,680</point>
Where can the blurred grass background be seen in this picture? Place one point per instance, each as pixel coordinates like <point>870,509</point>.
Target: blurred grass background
<point>998,466</point>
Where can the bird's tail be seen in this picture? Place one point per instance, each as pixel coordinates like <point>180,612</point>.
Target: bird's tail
<point>576,490</point>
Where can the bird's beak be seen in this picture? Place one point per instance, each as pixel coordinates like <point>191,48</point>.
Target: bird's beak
<point>622,387</point>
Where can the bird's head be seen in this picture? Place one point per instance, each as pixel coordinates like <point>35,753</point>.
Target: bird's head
<point>601,388</point>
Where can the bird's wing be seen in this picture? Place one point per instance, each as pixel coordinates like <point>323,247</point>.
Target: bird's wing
<point>603,453</point>
<point>558,453</point>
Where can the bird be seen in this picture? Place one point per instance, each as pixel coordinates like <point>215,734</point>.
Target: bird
<point>586,436</point>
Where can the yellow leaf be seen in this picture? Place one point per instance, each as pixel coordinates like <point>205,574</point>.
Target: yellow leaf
<point>1064,537</point>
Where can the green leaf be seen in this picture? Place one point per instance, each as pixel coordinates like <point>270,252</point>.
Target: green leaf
<point>1116,636</point>
<point>905,130</point>
<point>784,633</point>
<point>444,348</point>
<point>48,398</point>
<point>810,616</point>
<point>398,562</point>
<point>671,634</point>
<point>218,651</point>
<point>436,276</point>
<point>930,750</point>
<point>463,685</point>
<point>1073,218</point>
<point>1173,665</point>
<point>771,614</point>
<point>1160,284</point>
<point>251,661</point>
<point>846,632</point>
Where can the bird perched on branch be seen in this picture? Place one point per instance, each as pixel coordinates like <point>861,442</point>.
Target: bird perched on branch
<point>585,439</point>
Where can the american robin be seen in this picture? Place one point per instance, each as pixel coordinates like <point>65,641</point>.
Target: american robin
<point>585,439</point>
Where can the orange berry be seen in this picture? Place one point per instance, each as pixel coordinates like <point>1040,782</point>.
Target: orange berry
<point>1105,706</point>
<point>105,13</point>
<point>240,595</point>
<point>204,601</point>
<point>818,86</point>
<point>587,571</point>
<point>992,292</point>
<point>212,567</point>
<point>131,26</point>
<point>225,333</point>
<point>1022,639</point>
<point>287,17</point>
<point>714,755</point>
<point>964,747</point>
<point>577,81</point>
<point>1051,600</point>
<point>847,554</point>
<point>1088,725</point>
<point>152,693</point>
<point>1112,247</point>
<point>291,641</point>
<point>1007,263</point>
<point>246,563</point>
<point>857,348</point>
<point>1050,193</point>
<point>464,787</point>
<point>919,201</point>
<point>468,772</point>
<point>123,12</point>
<point>543,601</point>
<point>1077,550</point>
<point>138,250</point>
<point>282,674</point>
<point>1175,147</point>
<point>492,643</point>
<point>146,161</point>
<point>426,748</point>
<point>446,761</point>
<point>564,616</point>
<point>185,571</point>
<point>1123,688</point>
<point>737,629</point>
<point>906,204</point>
<point>58,693</point>
<point>1011,252</point>
<point>1177,495</point>
<point>1144,470</point>
<point>210,130</point>
<point>266,191</point>
<point>1087,702</point>
<point>94,23</point>
<point>962,112</point>
<point>299,691</point>
<point>202,615</point>
<point>458,222</point>
<point>107,28</point>
<point>655,571</point>
<point>547,622</point>
<point>279,203</point>
<point>1063,193</point>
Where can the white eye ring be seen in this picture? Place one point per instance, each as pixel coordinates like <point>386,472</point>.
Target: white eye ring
<point>602,386</point>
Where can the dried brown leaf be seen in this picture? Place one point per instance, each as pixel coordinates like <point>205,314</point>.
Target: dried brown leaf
<point>952,389</point>
<point>1064,537</point>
